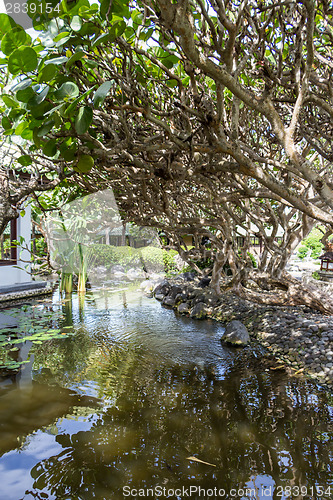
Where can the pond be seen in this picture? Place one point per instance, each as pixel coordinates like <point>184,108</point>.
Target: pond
<point>135,401</point>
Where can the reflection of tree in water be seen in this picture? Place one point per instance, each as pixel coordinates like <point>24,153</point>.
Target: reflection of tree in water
<point>252,423</point>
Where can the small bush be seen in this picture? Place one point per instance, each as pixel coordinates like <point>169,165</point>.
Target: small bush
<point>151,258</point>
<point>313,243</point>
<point>302,252</point>
<point>253,259</point>
<point>157,259</point>
<point>41,247</point>
<point>104,255</point>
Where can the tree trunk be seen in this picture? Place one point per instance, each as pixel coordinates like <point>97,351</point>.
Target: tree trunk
<point>7,212</point>
<point>123,235</point>
<point>220,260</point>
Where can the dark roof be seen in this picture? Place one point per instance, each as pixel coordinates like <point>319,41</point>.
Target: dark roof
<point>327,256</point>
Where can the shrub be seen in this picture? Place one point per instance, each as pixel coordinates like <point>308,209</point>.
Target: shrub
<point>302,252</point>
<point>253,259</point>
<point>126,256</point>
<point>104,255</point>
<point>157,259</point>
<point>41,247</point>
<point>313,243</point>
<point>151,258</point>
<point>169,260</point>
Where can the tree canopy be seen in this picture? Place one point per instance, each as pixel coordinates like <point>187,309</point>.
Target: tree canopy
<point>202,115</point>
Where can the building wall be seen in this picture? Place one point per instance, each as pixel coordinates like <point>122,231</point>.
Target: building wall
<point>10,275</point>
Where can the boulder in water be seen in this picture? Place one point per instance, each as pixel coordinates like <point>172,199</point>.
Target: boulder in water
<point>169,301</point>
<point>183,308</point>
<point>199,311</point>
<point>162,288</point>
<point>236,334</point>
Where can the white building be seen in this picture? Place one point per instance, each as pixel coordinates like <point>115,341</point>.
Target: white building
<point>15,260</point>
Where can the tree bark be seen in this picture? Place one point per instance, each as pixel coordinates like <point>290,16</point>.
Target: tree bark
<point>283,291</point>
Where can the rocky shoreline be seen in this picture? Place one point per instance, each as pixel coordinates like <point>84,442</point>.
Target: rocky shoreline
<point>300,338</point>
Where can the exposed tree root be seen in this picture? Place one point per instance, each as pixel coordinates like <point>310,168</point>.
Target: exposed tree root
<point>282,291</point>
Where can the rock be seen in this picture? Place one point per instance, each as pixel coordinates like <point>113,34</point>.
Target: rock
<point>134,273</point>
<point>204,282</point>
<point>117,268</point>
<point>188,276</point>
<point>174,291</point>
<point>100,270</point>
<point>119,274</point>
<point>159,296</point>
<point>211,298</point>
<point>236,333</point>
<point>156,277</point>
<point>184,308</point>
<point>199,298</point>
<point>169,301</point>
<point>199,311</point>
<point>147,285</point>
<point>162,288</point>
<point>180,297</point>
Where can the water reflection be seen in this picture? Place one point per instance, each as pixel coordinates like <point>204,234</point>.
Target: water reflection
<point>169,392</point>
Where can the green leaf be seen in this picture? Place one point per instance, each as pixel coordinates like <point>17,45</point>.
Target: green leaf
<point>19,129</point>
<point>50,148</point>
<point>101,93</point>
<point>6,123</point>
<point>45,129</point>
<point>117,30</point>
<point>76,23</point>
<point>83,120</point>
<point>90,63</point>
<point>39,98</point>
<point>67,90</point>
<point>48,73</point>
<point>12,40</point>
<point>22,60</point>
<point>75,57</point>
<point>25,95</point>
<point>23,84</point>
<point>72,107</point>
<point>89,29</point>
<point>25,160</point>
<point>6,24</point>
<point>68,152</point>
<point>40,110</point>
<point>9,102</point>
<point>85,164</point>
<point>62,35</point>
<point>172,83</point>
<point>57,60</point>
<point>101,39</point>
<point>27,134</point>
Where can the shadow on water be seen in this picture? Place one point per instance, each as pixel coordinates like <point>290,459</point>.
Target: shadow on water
<point>168,391</point>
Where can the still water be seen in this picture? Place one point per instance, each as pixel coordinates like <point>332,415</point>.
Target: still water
<point>126,405</point>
